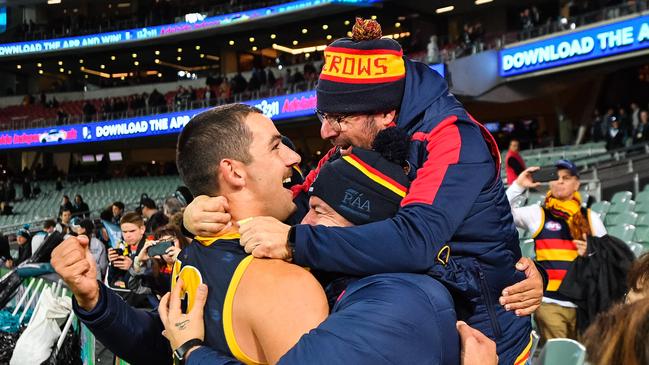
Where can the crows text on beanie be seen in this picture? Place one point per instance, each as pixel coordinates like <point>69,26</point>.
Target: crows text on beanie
<point>362,74</point>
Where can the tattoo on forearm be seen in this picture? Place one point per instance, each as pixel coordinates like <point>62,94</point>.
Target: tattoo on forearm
<point>182,325</point>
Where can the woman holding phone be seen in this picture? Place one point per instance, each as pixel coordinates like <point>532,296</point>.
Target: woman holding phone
<point>152,267</point>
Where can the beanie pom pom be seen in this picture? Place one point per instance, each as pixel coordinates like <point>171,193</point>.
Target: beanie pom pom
<point>366,30</point>
<point>393,144</point>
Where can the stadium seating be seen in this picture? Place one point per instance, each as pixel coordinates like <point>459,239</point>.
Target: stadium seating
<point>562,351</point>
<point>621,197</point>
<point>601,208</point>
<point>625,232</point>
<point>98,196</point>
<point>622,218</point>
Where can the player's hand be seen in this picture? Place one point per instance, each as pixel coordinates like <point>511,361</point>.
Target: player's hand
<point>123,262</point>
<point>525,296</point>
<point>73,261</point>
<point>265,237</point>
<point>180,327</point>
<point>477,349</point>
<point>526,180</point>
<point>207,216</point>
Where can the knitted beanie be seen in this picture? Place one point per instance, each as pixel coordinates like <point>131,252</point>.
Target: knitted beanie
<point>362,186</point>
<point>362,74</point>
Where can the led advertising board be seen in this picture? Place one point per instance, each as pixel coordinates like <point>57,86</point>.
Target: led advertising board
<point>580,46</point>
<point>277,108</point>
<point>131,35</point>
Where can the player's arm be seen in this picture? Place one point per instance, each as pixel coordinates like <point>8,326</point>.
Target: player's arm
<point>280,302</point>
<point>134,335</point>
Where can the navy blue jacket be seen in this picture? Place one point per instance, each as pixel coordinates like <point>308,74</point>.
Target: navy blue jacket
<point>455,223</point>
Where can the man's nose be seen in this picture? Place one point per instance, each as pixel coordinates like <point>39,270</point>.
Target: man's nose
<point>326,131</point>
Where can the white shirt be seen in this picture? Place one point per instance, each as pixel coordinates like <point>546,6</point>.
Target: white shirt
<point>531,219</point>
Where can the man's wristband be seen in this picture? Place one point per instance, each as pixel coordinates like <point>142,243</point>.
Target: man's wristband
<point>181,352</point>
<point>290,243</point>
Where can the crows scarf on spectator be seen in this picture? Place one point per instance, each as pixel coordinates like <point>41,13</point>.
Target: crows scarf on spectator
<point>570,211</point>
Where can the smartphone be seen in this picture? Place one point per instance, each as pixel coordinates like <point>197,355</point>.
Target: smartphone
<point>160,248</point>
<point>545,174</point>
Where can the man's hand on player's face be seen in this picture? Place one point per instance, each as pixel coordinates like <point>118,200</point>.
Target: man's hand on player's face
<point>265,237</point>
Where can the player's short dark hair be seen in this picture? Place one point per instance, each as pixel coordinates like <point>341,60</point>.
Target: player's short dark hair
<point>120,205</point>
<point>49,224</point>
<point>208,138</point>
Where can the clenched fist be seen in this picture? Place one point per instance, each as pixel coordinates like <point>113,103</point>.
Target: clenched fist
<point>73,261</point>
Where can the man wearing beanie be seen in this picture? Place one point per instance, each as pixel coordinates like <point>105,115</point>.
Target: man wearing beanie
<point>454,223</point>
<point>24,239</point>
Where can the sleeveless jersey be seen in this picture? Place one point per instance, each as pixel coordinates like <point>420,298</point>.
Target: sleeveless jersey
<point>218,262</point>
<point>555,250</point>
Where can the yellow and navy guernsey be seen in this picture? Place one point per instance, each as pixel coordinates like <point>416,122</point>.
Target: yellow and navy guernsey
<point>555,250</point>
<point>218,262</point>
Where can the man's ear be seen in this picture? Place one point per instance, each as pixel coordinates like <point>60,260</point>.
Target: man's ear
<point>386,119</point>
<point>232,173</point>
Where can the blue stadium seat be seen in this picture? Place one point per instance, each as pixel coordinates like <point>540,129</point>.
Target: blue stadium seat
<point>643,220</point>
<point>641,235</point>
<point>601,208</point>
<point>622,218</point>
<point>562,351</point>
<point>642,196</point>
<point>642,207</point>
<point>624,232</point>
<point>621,197</point>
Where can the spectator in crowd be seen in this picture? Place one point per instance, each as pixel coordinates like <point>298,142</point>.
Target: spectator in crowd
<point>514,163</point>
<point>80,208</point>
<point>615,136</point>
<point>560,229</point>
<point>619,336</point>
<point>635,115</point>
<point>61,117</point>
<point>626,123</point>
<point>59,187</point>
<point>118,210</point>
<point>641,132</point>
<point>132,227</point>
<point>172,206</point>
<point>155,272</point>
<point>5,253</point>
<point>65,204</point>
<point>49,226</point>
<point>89,111</point>
<point>27,189</point>
<point>24,239</point>
<point>63,226</point>
<point>152,216</point>
<point>6,208</point>
<point>97,248</point>
<point>638,280</point>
